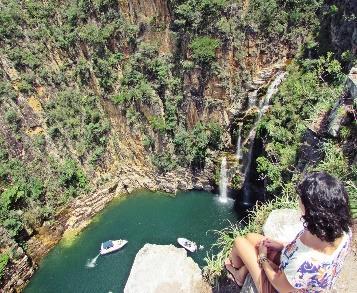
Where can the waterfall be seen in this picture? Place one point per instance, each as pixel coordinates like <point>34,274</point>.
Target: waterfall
<point>91,263</point>
<point>272,90</point>
<point>264,104</point>
<point>239,143</point>
<point>263,107</point>
<point>223,181</point>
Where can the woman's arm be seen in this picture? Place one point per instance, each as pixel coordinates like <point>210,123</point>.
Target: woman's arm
<point>276,277</point>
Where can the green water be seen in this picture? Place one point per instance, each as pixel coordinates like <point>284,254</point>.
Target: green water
<point>142,218</point>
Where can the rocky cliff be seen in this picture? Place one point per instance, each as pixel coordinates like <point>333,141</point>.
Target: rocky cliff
<point>339,29</point>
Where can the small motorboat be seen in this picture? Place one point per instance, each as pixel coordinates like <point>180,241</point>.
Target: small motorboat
<point>111,246</point>
<point>189,245</point>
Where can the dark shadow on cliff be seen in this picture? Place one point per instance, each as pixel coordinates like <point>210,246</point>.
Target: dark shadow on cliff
<point>253,189</point>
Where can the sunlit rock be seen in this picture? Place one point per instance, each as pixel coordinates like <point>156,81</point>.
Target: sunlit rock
<point>165,269</point>
<point>283,224</point>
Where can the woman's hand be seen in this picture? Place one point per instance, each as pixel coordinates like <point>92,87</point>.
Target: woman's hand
<point>262,248</point>
<point>272,244</point>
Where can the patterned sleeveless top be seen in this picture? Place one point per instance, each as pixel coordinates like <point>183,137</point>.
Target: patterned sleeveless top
<point>309,270</point>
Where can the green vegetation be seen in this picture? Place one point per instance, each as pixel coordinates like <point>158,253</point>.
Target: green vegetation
<point>164,162</point>
<point>204,49</point>
<point>75,117</point>
<point>146,76</point>
<point>4,259</point>
<point>29,191</point>
<point>72,178</point>
<point>301,98</point>
<point>197,15</point>
<point>12,119</point>
<point>284,20</point>
<point>310,91</point>
<point>336,164</point>
<point>192,145</point>
<point>148,79</point>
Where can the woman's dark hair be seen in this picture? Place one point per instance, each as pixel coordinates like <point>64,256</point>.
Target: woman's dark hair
<point>327,212</point>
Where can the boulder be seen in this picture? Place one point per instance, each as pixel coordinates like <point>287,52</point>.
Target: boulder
<point>283,224</point>
<point>165,269</point>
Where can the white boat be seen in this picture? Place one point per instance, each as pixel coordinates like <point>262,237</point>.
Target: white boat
<point>189,245</point>
<point>112,245</point>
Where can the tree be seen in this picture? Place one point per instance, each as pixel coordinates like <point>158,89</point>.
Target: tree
<point>204,49</point>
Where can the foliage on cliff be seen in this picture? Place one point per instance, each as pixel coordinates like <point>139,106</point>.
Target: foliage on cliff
<point>311,90</point>
<point>4,259</point>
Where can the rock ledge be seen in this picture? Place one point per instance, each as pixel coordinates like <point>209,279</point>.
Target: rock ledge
<point>165,269</point>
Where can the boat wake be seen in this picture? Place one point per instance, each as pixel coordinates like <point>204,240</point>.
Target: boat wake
<point>91,263</point>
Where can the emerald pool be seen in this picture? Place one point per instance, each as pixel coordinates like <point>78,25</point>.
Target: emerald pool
<point>144,217</point>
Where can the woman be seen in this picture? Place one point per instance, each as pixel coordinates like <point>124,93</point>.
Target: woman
<point>312,261</point>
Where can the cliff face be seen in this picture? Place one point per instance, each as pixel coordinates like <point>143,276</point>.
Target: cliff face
<point>20,268</point>
<point>342,27</point>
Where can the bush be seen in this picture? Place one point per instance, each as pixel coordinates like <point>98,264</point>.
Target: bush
<point>132,116</point>
<point>104,67</point>
<point>164,162</point>
<point>197,15</point>
<point>204,49</point>
<point>77,116</point>
<point>13,223</point>
<point>148,142</point>
<point>215,138</point>
<point>72,178</point>
<point>158,124</point>
<point>290,22</point>
<point>171,109</point>
<point>12,118</point>
<point>7,91</point>
<point>191,146</point>
<point>334,163</point>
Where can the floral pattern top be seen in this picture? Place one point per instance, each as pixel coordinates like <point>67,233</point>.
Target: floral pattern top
<point>309,270</point>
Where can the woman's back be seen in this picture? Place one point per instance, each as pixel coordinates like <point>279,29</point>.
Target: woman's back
<point>310,270</point>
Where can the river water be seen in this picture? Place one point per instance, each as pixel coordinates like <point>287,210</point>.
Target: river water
<point>145,217</point>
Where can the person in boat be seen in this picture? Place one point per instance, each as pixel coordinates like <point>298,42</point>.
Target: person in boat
<point>312,261</point>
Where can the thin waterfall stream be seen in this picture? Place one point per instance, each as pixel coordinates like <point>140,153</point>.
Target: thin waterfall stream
<point>263,107</point>
<point>223,181</point>
<point>239,143</point>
